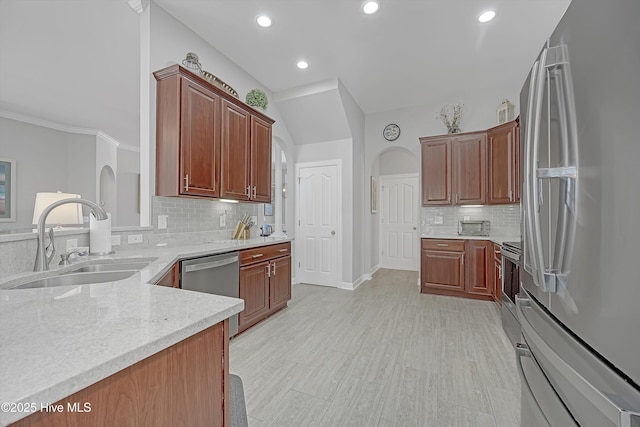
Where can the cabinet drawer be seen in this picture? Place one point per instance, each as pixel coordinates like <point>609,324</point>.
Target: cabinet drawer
<point>263,253</point>
<point>443,245</point>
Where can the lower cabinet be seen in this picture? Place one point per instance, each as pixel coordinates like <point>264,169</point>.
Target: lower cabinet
<point>457,268</point>
<point>497,275</point>
<point>186,384</point>
<point>265,282</point>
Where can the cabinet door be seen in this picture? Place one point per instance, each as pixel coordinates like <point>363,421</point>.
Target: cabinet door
<point>443,270</point>
<point>254,290</point>
<point>280,281</point>
<point>480,266</point>
<point>235,152</point>
<point>199,141</point>
<point>260,160</point>
<point>436,172</point>
<point>497,275</point>
<point>501,164</point>
<point>469,169</point>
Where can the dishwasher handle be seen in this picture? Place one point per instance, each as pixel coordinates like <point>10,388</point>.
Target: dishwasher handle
<point>207,265</point>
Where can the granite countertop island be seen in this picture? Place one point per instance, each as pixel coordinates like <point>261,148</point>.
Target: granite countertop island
<point>59,340</point>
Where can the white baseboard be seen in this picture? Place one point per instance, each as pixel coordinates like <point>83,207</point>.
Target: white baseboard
<point>354,285</point>
<point>373,270</point>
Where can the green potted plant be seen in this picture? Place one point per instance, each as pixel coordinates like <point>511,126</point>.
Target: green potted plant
<point>257,98</point>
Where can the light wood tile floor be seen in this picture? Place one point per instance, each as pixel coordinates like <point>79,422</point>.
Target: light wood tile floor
<point>382,355</point>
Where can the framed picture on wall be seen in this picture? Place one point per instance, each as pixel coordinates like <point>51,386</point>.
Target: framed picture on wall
<point>374,195</point>
<point>7,190</point>
<point>268,209</point>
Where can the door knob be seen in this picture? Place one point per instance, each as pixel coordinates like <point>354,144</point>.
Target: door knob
<point>333,232</point>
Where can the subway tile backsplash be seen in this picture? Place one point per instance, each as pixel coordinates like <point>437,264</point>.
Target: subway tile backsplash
<point>199,216</point>
<point>505,219</point>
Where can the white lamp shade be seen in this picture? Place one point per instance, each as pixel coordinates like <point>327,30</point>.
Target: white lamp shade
<point>68,214</point>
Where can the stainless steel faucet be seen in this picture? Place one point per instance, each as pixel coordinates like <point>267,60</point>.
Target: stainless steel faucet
<point>42,259</point>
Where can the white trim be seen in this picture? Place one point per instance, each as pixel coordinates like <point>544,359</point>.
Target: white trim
<point>374,270</point>
<point>138,5</point>
<point>353,286</point>
<point>66,128</point>
<point>340,240</point>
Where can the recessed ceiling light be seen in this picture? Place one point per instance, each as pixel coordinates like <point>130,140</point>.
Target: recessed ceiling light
<point>370,7</point>
<point>487,16</point>
<point>302,65</point>
<point>264,21</point>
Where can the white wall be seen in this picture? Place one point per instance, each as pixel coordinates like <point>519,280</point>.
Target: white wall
<point>415,122</point>
<point>398,161</point>
<point>128,187</point>
<point>355,118</point>
<point>46,160</point>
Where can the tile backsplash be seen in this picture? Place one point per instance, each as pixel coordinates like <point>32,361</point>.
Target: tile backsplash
<point>504,218</point>
<point>200,216</point>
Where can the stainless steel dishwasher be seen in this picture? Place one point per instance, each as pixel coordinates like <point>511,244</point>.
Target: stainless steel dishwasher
<point>215,274</point>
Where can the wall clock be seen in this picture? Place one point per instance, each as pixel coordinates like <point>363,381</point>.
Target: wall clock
<point>391,132</point>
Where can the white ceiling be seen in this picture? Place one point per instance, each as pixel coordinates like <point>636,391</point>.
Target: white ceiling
<point>411,51</point>
<point>77,63</point>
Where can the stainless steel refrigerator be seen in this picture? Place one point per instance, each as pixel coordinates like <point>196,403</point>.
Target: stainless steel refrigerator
<point>579,304</point>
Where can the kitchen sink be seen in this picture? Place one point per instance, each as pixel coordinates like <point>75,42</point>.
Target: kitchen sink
<point>77,279</point>
<point>135,266</point>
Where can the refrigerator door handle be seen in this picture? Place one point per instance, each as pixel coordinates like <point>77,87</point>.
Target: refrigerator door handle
<point>619,416</point>
<point>533,188</point>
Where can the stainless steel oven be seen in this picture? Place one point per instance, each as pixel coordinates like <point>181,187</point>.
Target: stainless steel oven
<point>510,288</point>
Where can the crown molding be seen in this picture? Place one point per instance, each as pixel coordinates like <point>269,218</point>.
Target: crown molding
<point>138,5</point>
<point>66,128</point>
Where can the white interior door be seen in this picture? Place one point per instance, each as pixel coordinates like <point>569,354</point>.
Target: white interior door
<point>317,233</point>
<point>399,222</point>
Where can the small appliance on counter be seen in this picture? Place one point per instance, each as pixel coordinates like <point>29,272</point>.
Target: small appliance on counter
<point>474,228</point>
<point>267,230</point>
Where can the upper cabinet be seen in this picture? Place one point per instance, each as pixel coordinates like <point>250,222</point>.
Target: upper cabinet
<point>473,168</point>
<point>209,144</point>
<point>454,169</point>
<point>503,164</point>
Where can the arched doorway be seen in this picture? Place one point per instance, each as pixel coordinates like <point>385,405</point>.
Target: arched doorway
<point>396,224</point>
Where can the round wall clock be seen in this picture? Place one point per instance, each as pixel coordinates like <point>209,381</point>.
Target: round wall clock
<point>391,132</point>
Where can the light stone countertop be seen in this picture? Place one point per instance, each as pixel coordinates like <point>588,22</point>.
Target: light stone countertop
<point>56,341</point>
<point>496,238</point>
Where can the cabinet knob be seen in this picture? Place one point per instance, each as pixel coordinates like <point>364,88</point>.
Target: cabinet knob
<point>333,232</point>
<point>414,228</point>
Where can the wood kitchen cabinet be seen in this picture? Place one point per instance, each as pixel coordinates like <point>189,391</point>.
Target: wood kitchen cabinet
<point>209,143</point>
<point>187,136</point>
<point>503,168</point>
<point>265,282</point>
<point>442,266</point>
<point>454,169</point>
<point>171,278</point>
<point>497,275</point>
<point>246,155</point>
<point>186,384</point>
<point>457,268</point>
<point>480,267</point>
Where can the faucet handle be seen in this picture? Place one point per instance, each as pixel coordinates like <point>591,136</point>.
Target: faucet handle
<point>64,258</point>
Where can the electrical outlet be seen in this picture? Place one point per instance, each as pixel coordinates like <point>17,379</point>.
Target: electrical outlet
<point>162,222</point>
<point>71,244</point>
<point>438,219</point>
<point>115,240</point>
<point>223,220</point>
<point>254,219</point>
<point>134,238</point>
